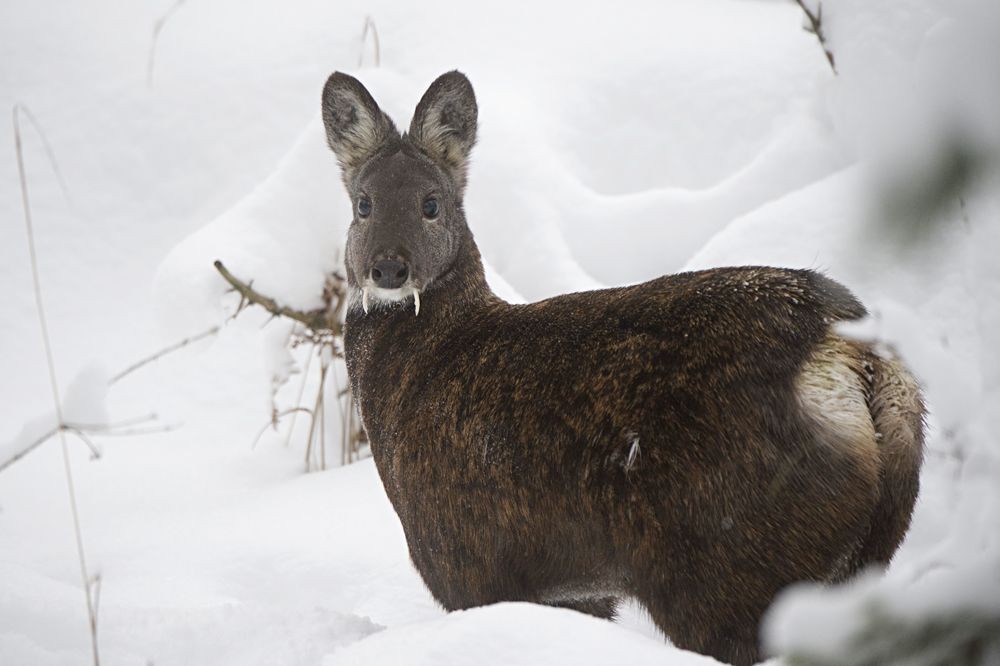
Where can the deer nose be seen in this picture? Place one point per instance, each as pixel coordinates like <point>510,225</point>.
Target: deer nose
<point>390,273</point>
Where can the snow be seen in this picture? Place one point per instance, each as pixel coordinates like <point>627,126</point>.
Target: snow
<point>83,405</point>
<point>508,634</point>
<point>85,399</point>
<point>616,144</point>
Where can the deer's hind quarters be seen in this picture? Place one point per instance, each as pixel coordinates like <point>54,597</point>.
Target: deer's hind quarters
<point>762,448</point>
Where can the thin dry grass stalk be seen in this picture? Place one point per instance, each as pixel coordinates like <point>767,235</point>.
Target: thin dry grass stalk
<point>54,385</point>
<point>369,28</point>
<point>298,401</point>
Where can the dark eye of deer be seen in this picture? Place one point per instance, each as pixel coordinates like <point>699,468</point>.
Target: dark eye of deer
<point>431,209</point>
<point>364,207</point>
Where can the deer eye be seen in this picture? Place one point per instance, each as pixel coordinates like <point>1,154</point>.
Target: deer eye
<point>364,207</point>
<point>431,208</point>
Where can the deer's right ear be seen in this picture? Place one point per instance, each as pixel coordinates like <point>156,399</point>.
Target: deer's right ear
<point>355,125</point>
<point>444,123</point>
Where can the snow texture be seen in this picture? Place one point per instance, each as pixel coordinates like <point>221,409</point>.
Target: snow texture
<point>617,143</point>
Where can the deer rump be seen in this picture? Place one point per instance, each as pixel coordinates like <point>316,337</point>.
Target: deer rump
<point>698,442</point>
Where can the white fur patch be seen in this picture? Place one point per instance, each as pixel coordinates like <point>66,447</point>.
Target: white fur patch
<point>370,298</point>
<point>831,392</point>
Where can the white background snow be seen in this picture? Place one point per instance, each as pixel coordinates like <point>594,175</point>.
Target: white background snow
<point>617,142</point>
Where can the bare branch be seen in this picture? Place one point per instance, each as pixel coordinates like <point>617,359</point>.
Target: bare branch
<point>99,427</point>
<point>273,423</point>
<point>317,320</point>
<point>95,452</point>
<point>816,28</point>
<point>28,449</point>
<point>84,431</point>
<point>163,352</point>
<point>128,432</point>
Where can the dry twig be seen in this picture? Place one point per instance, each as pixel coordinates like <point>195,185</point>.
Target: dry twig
<point>28,449</point>
<point>320,321</point>
<point>816,28</point>
<point>323,331</point>
<point>275,420</point>
<point>163,352</point>
<point>369,27</point>
<point>298,401</point>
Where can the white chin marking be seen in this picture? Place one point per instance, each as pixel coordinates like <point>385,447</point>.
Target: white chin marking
<point>372,297</point>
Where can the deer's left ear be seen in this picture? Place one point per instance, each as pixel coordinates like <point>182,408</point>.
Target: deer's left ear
<point>444,124</point>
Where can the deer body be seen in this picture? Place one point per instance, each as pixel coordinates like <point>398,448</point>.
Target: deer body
<point>698,442</point>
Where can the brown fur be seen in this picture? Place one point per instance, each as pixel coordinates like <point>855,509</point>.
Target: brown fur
<point>698,442</point>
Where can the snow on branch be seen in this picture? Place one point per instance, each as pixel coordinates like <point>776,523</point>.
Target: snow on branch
<point>323,320</point>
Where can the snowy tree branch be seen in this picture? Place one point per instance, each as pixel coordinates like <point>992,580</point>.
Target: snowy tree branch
<point>322,320</point>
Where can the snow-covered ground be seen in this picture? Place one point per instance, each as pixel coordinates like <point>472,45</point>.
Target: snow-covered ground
<point>617,143</point>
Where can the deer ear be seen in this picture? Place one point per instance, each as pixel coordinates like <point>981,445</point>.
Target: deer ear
<point>355,125</point>
<point>444,124</point>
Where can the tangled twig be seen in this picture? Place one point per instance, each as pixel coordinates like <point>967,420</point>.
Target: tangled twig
<point>323,332</point>
<point>321,320</point>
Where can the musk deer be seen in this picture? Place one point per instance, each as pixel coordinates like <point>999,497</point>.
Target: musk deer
<point>697,442</point>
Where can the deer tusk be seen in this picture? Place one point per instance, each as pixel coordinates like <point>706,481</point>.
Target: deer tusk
<point>416,303</point>
<point>364,299</point>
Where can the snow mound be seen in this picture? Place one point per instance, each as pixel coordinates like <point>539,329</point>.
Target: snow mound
<point>511,634</point>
